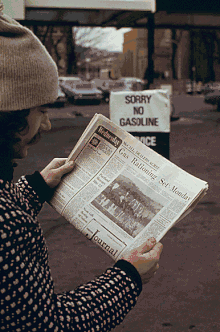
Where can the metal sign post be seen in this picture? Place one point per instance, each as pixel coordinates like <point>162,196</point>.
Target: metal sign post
<point>145,115</point>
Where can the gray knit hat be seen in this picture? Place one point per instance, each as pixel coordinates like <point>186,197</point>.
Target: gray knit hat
<point>28,74</point>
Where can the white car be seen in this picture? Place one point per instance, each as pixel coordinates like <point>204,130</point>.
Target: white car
<point>133,83</point>
<point>82,90</point>
<point>66,84</point>
<point>69,78</point>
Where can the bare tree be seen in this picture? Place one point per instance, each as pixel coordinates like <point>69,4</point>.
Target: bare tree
<point>62,43</point>
<point>72,56</point>
<point>205,45</point>
<point>54,39</point>
<point>89,36</point>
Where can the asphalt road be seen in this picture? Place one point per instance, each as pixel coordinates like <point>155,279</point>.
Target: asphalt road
<point>184,294</point>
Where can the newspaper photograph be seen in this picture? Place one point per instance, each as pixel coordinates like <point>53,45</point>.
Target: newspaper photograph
<point>127,204</point>
<point>121,191</point>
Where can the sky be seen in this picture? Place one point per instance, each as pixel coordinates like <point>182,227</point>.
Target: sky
<point>109,39</point>
<point>114,39</point>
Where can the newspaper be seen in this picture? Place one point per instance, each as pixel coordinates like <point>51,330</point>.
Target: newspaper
<point>120,191</point>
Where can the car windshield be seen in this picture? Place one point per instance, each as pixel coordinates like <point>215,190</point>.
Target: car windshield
<point>71,83</point>
<point>84,86</point>
<point>129,82</point>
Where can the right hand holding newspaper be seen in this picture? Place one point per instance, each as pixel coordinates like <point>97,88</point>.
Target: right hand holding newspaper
<point>121,192</point>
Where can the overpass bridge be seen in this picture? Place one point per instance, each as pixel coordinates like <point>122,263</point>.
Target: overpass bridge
<point>149,14</point>
<point>117,13</point>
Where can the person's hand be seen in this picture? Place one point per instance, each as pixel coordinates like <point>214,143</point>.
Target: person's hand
<point>54,171</point>
<point>145,259</point>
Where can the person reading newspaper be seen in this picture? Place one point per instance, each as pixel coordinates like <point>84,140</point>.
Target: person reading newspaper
<point>28,301</point>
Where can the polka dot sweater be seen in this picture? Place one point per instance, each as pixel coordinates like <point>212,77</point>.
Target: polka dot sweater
<point>28,301</point>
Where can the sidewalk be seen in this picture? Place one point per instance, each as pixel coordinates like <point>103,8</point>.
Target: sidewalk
<point>184,294</point>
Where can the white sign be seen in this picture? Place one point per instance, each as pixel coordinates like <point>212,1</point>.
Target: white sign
<point>144,5</point>
<point>16,8</point>
<point>141,111</point>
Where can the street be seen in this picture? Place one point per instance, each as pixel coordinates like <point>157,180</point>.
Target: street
<point>184,294</point>
<point>186,106</point>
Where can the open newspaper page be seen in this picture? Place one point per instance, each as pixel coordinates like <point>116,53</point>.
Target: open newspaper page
<point>122,192</point>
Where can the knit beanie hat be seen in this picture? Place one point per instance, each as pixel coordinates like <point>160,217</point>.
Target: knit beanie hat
<point>28,74</point>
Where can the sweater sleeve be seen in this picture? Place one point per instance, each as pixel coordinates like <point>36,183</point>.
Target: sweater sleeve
<point>101,304</point>
<point>37,182</point>
<point>33,191</point>
<point>131,272</point>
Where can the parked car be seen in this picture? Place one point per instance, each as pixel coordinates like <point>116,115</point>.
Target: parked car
<point>112,86</point>
<point>213,98</point>
<point>99,82</point>
<point>199,87</point>
<point>82,90</point>
<point>66,84</point>
<point>63,79</point>
<point>61,99</point>
<point>133,83</point>
<point>122,84</point>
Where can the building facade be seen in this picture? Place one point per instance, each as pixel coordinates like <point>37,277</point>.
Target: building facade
<point>135,52</point>
<point>178,54</point>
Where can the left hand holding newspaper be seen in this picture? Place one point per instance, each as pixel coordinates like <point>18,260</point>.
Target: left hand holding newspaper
<point>55,170</point>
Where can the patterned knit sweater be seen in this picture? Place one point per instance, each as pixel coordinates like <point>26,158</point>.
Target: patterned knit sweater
<point>28,301</point>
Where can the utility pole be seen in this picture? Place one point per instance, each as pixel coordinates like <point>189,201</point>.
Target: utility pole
<point>150,47</point>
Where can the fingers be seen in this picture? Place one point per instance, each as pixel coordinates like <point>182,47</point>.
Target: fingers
<point>156,251</point>
<point>147,276</point>
<point>57,162</point>
<point>153,269</point>
<point>149,250</point>
<point>53,172</point>
<point>65,168</point>
<point>60,163</point>
<point>156,267</point>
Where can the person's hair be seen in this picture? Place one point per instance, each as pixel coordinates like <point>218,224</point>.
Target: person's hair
<point>11,123</point>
